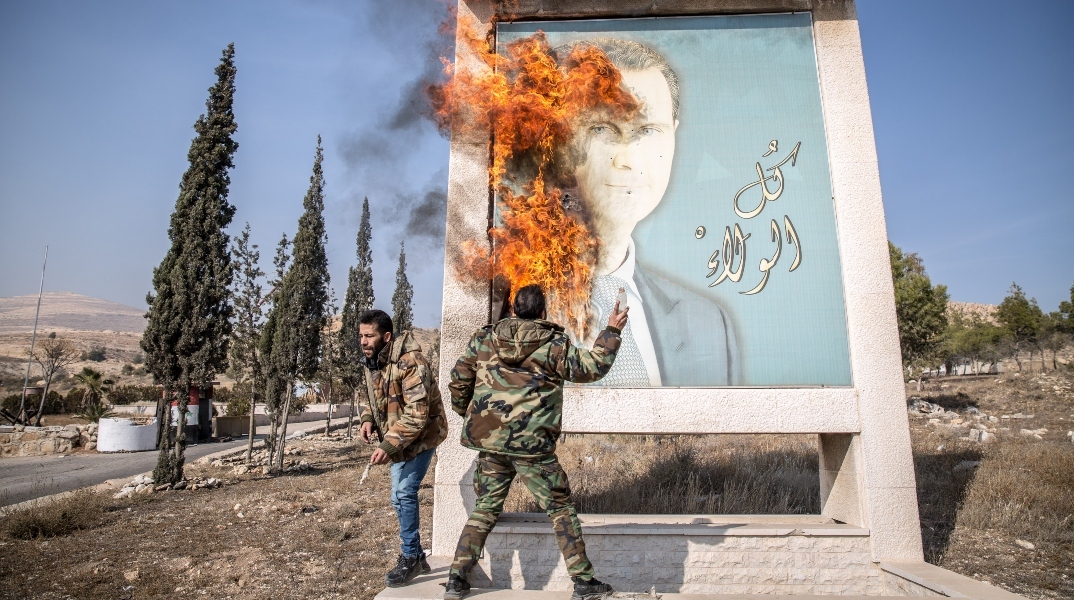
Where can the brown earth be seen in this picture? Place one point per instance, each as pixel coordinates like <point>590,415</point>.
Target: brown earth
<point>1001,512</point>
<point>312,534</point>
<point>66,311</point>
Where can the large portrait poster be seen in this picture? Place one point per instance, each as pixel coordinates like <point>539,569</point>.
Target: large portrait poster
<point>714,203</point>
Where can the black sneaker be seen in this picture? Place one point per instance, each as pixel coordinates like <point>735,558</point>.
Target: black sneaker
<point>589,590</point>
<point>456,588</point>
<point>425,568</point>
<point>406,569</point>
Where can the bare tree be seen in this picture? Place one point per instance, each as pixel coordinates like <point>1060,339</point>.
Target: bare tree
<point>54,355</point>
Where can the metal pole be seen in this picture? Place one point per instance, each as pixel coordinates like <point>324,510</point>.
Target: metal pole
<point>33,339</point>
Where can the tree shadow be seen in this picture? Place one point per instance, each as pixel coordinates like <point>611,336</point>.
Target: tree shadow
<point>958,401</point>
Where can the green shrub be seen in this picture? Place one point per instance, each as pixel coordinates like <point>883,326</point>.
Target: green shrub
<point>72,403</point>
<point>11,403</point>
<point>129,394</point>
<point>95,412</point>
<point>127,369</point>
<point>54,404</point>
<point>95,354</point>
<point>138,358</point>
<point>236,399</point>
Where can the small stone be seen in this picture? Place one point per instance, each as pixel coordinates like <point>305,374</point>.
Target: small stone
<point>987,438</point>
<point>966,465</point>
<point>1025,544</point>
<point>131,576</point>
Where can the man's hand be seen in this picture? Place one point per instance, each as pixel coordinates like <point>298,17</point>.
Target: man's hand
<point>618,318</point>
<point>366,431</point>
<point>380,457</point>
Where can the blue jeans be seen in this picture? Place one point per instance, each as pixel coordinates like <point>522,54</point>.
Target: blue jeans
<point>406,479</point>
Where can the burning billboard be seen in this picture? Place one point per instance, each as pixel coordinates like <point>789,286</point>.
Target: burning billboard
<point>681,163</point>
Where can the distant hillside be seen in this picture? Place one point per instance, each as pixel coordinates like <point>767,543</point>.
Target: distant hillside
<point>65,311</point>
<point>969,310</point>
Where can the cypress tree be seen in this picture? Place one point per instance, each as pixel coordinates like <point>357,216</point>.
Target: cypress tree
<point>249,321</point>
<point>186,337</point>
<point>358,299</point>
<point>274,381</point>
<point>299,314</point>
<point>402,313</point>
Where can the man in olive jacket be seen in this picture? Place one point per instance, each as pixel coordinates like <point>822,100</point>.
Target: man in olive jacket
<point>508,386</point>
<point>404,407</point>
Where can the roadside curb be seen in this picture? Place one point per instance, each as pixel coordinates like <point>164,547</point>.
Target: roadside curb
<point>117,483</point>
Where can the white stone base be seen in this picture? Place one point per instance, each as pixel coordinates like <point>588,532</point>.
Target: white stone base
<point>900,579</point>
<point>688,554</point>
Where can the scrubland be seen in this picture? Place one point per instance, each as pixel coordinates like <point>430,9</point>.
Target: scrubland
<point>1002,511</point>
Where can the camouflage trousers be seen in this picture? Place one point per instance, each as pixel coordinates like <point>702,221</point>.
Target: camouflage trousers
<point>545,479</point>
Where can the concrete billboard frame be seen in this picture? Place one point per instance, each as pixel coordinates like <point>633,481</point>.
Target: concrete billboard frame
<point>866,467</point>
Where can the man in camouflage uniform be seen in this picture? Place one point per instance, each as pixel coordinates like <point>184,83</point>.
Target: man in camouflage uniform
<point>405,410</point>
<point>508,386</point>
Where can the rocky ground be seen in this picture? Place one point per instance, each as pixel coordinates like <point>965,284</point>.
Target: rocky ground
<point>311,533</point>
<point>994,458</point>
<point>997,507</point>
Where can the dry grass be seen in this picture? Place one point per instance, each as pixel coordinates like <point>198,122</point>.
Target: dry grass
<point>79,511</point>
<point>977,502</point>
<point>310,535</point>
<point>317,535</point>
<point>730,474</point>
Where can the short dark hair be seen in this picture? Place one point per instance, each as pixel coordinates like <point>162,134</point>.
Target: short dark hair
<point>529,302</point>
<point>378,318</point>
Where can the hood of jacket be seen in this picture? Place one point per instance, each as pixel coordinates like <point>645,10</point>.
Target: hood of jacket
<point>515,339</point>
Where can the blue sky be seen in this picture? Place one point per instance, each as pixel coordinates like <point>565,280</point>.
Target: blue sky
<point>971,106</point>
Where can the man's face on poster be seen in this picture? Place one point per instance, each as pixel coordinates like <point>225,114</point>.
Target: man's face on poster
<point>625,166</point>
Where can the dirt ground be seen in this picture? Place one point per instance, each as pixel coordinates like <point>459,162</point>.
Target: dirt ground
<point>316,531</point>
<point>1001,512</point>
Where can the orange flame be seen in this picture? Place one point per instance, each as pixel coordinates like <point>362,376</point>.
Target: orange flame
<point>529,102</point>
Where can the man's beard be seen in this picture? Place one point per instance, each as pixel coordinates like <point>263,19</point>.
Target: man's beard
<point>373,362</point>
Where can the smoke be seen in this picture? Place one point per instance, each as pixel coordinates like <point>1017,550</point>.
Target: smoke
<point>395,157</point>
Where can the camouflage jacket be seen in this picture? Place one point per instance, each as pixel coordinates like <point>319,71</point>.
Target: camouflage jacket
<point>508,385</point>
<point>404,402</point>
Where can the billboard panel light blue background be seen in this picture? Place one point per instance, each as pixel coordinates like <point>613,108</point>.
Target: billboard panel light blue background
<point>744,81</point>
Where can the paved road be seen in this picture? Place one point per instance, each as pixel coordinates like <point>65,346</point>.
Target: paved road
<point>27,477</point>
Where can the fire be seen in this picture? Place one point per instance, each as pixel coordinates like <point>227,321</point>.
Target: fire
<point>530,103</point>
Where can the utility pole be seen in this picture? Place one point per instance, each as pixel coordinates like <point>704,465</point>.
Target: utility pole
<point>33,340</point>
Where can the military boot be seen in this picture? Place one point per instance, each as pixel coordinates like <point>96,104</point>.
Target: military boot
<point>589,590</point>
<point>406,569</point>
<point>456,588</point>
